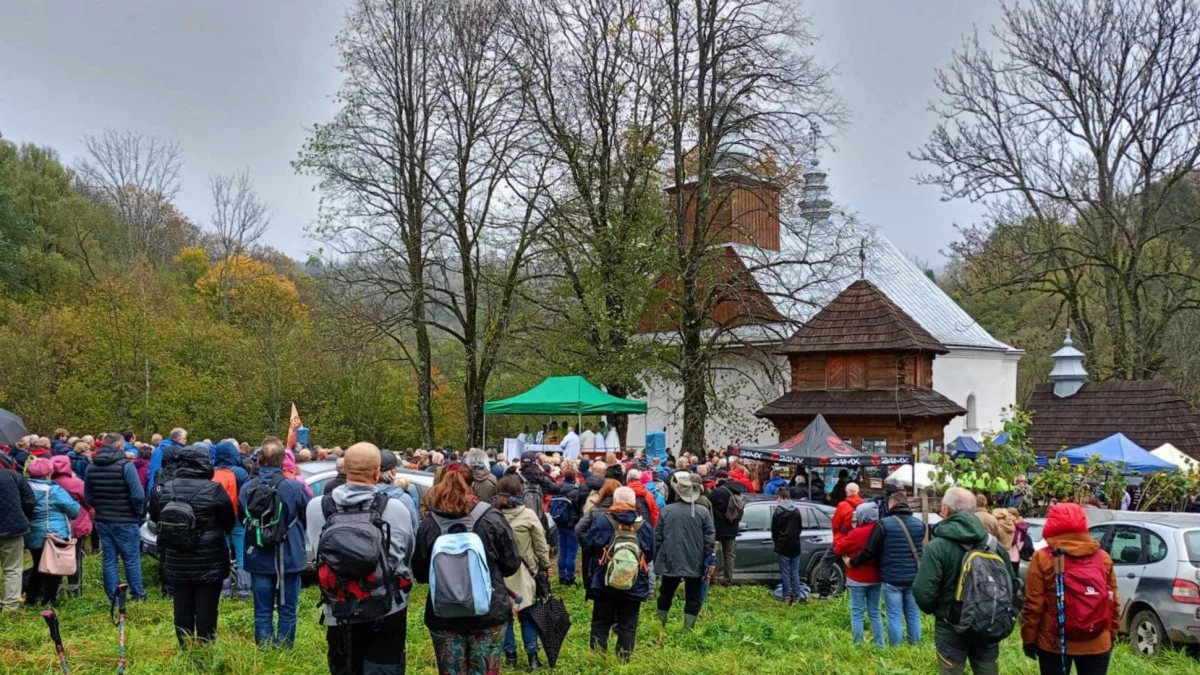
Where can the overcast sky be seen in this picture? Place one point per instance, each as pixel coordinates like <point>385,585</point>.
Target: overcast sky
<point>237,83</point>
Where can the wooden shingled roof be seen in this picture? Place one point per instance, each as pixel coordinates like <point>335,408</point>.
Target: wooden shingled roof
<point>916,403</point>
<point>1149,412</point>
<point>861,318</point>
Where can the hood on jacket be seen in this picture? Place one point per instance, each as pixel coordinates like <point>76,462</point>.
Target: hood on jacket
<point>106,455</point>
<point>1075,544</point>
<point>962,528</point>
<point>624,516</point>
<point>686,487</point>
<point>1063,518</point>
<point>60,465</point>
<point>786,505</point>
<point>193,461</point>
<point>854,500</point>
<point>482,473</point>
<point>616,472</point>
<point>866,513</point>
<point>1006,521</point>
<point>226,456</point>
<point>351,494</point>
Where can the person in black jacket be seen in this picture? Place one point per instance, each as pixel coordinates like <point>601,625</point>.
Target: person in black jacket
<point>568,543</point>
<point>785,534</point>
<point>114,490</point>
<point>727,530</point>
<point>16,507</point>
<point>196,575</point>
<point>471,645</point>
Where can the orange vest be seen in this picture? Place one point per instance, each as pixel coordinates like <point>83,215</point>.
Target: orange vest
<point>227,480</point>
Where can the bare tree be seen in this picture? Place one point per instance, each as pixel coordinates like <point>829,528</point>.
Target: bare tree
<point>238,222</point>
<point>1077,131</point>
<point>742,91</point>
<point>372,160</point>
<point>138,175</point>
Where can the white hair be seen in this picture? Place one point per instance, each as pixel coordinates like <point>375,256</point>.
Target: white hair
<point>178,434</point>
<point>959,500</point>
<point>633,475</point>
<point>476,457</point>
<point>624,495</point>
<point>851,488</point>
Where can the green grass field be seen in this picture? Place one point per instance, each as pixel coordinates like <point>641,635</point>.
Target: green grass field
<point>742,630</point>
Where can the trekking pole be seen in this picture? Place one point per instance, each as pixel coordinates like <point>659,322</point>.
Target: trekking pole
<point>52,623</point>
<point>118,604</point>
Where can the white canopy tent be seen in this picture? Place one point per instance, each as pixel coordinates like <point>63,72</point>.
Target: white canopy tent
<point>903,476</point>
<point>1170,453</point>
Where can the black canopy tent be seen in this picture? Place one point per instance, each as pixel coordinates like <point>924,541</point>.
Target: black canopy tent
<point>819,446</point>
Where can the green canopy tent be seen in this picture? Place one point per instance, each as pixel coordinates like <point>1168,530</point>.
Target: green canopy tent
<point>563,395</point>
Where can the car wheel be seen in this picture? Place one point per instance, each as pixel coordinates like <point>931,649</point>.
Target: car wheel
<point>839,580</point>
<point>1146,633</point>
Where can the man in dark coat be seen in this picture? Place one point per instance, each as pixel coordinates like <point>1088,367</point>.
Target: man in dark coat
<point>786,525</point>
<point>683,540</point>
<point>726,529</point>
<point>16,507</point>
<point>114,490</point>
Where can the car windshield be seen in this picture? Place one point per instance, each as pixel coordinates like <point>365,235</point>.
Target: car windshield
<point>1035,532</point>
<point>1192,539</point>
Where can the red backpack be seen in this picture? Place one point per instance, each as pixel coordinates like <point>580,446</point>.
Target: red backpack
<point>1084,599</point>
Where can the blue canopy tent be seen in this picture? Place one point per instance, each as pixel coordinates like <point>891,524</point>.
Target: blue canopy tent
<point>964,446</point>
<point>1118,448</point>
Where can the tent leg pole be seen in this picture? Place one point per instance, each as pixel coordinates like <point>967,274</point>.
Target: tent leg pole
<point>484,432</point>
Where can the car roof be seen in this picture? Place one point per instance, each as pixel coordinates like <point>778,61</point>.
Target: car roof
<point>1166,519</point>
<point>759,498</point>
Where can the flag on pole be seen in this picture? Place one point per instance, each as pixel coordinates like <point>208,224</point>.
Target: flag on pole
<point>293,424</point>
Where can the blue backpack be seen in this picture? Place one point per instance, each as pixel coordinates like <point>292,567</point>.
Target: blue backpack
<point>460,583</point>
<point>560,511</point>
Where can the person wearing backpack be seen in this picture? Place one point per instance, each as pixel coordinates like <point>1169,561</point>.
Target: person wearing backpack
<point>622,542</point>
<point>274,520</point>
<point>535,564</point>
<point>194,517</point>
<point>1089,593</point>
<point>728,505</point>
<point>600,501</point>
<point>566,508</point>
<point>464,551</point>
<point>895,546</point>
<point>966,583</point>
<point>364,544</point>
<point>683,540</point>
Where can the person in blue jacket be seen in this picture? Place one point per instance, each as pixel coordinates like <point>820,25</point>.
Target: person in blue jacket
<point>176,439</point>
<point>616,610</point>
<point>227,458</point>
<point>53,511</point>
<point>275,572</point>
<point>771,487</point>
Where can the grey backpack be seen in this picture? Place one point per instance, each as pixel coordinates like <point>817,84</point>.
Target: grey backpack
<point>985,594</point>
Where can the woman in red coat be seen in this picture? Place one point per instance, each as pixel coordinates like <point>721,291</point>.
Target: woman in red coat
<point>863,580</point>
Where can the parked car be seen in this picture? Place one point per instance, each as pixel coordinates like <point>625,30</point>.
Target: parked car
<point>316,474</point>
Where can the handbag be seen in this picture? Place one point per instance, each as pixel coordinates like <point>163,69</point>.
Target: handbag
<point>58,555</point>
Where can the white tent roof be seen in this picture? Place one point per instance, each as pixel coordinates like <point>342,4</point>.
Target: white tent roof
<point>903,476</point>
<point>1173,455</point>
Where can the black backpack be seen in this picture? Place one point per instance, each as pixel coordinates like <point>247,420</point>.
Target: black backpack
<point>357,583</point>
<point>985,592</point>
<point>265,525</point>
<point>178,529</point>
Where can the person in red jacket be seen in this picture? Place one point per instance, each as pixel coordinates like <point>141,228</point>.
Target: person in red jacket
<point>646,504</point>
<point>738,473</point>
<point>863,580</point>
<point>843,516</point>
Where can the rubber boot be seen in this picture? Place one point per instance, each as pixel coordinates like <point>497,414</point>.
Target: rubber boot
<point>510,661</point>
<point>534,662</point>
<point>689,621</point>
<point>662,617</point>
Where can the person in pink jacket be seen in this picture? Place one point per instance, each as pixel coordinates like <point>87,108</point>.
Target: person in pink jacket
<point>81,526</point>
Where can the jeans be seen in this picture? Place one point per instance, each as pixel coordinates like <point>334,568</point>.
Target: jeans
<point>1051,663</point>
<point>727,558</point>
<point>196,610</point>
<point>615,614</point>
<point>12,560</point>
<point>568,547</point>
<point>789,575</point>
<point>121,539</point>
<point>691,594</point>
<point>266,601</point>
<point>953,654</point>
<point>865,599</point>
<point>899,601</point>
<point>375,647</point>
<point>528,634</point>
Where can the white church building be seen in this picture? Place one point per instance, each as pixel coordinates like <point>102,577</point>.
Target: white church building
<point>979,373</point>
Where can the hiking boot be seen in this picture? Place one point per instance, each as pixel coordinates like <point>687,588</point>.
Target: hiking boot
<point>689,621</point>
<point>534,662</point>
<point>662,617</point>
<point>510,660</point>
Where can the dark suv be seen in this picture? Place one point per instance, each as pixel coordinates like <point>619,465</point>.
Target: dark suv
<point>756,561</point>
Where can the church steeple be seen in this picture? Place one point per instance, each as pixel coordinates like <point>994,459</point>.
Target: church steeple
<point>1068,374</point>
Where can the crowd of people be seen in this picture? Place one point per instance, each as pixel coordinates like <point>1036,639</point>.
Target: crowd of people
<point>235,520</point>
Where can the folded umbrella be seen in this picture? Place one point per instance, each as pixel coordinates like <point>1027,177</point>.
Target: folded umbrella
<point>11,428</point>
<point>552,622</point>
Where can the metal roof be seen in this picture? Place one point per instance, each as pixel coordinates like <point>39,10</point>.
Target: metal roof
<point>796,295</point>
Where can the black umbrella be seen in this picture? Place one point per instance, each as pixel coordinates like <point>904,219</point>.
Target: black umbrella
<point>11,428</point>
<point>552,621</point>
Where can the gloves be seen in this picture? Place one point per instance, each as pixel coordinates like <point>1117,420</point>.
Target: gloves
<point>541,583</point>
<point>1031,651</point>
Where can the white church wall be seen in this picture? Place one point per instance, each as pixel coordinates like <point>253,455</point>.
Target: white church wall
<point>989,376</point>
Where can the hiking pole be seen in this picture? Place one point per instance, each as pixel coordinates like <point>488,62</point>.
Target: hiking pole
<point>118,604</point>
<point>52,623</point>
